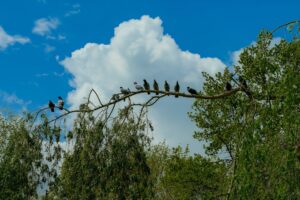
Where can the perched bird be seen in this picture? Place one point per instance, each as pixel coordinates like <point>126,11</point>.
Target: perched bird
<point>60,103</point>
<point>124,91</point>
<point>115,97</point>
<point>228,86</point>
<point>138,87</point>
<point>177,88</point>
<point>192,91</point>
<point>167,87</point>
<point>155,87</point>
<point>51,106</point>
<point>146,86</point>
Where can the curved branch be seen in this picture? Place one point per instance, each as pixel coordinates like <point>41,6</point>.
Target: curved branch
<point>219,96</point>
<point>284,25</point>
<point>92,90</point>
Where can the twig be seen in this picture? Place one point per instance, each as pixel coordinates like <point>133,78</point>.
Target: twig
<point>284,25</point>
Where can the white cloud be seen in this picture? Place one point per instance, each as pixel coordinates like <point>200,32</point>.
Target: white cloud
<point>8,40</point>
<point>41,75</point>
<point>139,49</point>
<point>45,26</point>
<point>74,10</point>
<point>8,100</point>
<point>49,48</point>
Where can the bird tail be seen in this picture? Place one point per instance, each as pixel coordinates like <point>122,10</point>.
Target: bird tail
<point>156,93</point>
<point>148,92</point>
<point>52,109</point>
<point>176,95</point>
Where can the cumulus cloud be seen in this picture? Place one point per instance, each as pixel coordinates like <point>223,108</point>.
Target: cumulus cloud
<point>8,40</point>
<point>140,49</point>
<point>45,26</point>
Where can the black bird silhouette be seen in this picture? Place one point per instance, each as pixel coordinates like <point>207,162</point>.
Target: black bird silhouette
<point>244,86</point>
<point>51,106</point>
<point>177,88</point>
<point>228,86</point>
<point>191,91</point>
<point>167,87</point>
<point>155,87</point>
<point>60,103</point>
<point>146,86</point>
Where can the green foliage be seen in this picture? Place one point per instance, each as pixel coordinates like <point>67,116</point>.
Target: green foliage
<point>258,131</point>
<point>21,167</point>
<point>193,177</point>
<point>107,162</point>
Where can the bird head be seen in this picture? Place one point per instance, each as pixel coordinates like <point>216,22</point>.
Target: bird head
<point>121,88</point>
<point>135,83</point>
<point>188,87</point>
<point>59,97</point>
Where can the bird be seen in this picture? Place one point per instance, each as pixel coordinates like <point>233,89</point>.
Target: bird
<point>167,87</point>
<point>60,103</point>
<point>228,86</point>
<point>115,97</point>
<point>192,91</point>
<point>177,88</point>
<point>138,87</point>
<point>155,87</point>
<point>51,106</point>
<point>146,86</point>
<point>124,91</point>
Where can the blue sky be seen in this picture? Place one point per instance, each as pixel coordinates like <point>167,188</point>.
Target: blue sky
<point>36,62</point>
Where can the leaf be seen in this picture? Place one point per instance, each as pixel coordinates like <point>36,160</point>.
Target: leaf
<point>290,27</point>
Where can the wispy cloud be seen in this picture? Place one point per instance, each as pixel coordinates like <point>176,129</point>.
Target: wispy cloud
<point>42,1</point>
<point>59,74</point>
<point>13,100</point>
<point>49,48</point>
<point>41,75</point>
<point>8,40</point>
<point>45,26</point>
<point>74,10</point>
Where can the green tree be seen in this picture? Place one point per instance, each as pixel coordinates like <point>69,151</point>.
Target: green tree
<point>258,127</point>
<point>108,161</point>
<point>193,177</point>
<point>22,169</point>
